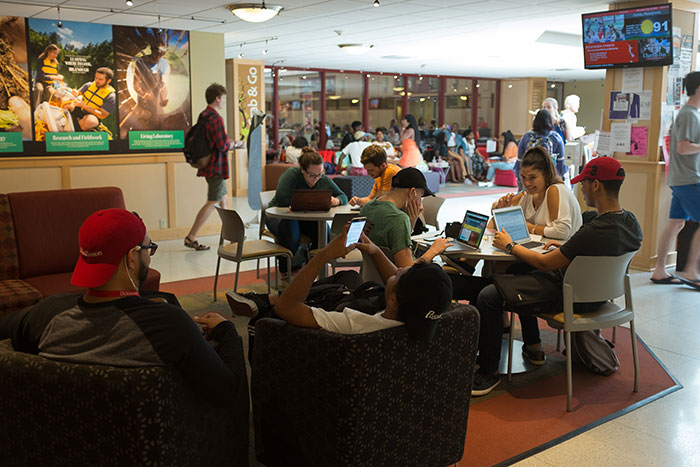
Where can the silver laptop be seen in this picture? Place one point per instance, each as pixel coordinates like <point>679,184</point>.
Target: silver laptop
<point>513,220</point>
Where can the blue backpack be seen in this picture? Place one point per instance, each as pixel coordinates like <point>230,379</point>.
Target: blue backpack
<point>542,141</point>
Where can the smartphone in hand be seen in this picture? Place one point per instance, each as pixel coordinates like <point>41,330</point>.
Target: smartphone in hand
<point>356,227</point>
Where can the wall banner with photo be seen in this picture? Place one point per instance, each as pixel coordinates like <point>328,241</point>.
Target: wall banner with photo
<point>87,88</point>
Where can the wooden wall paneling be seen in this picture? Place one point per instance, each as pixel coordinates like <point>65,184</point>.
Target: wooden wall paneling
<point>65,177</point>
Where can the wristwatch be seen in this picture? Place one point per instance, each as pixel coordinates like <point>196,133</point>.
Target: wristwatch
<point>509,247</point>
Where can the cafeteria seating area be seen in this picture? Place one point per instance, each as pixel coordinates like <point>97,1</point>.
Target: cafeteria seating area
<point>663,432</point>
<point>311,78</point>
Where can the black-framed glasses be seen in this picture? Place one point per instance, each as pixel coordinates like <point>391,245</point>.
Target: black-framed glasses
<point>152,247</point>
<point>312,175</point>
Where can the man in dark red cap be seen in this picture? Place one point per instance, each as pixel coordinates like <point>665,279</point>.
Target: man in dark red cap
<point>111,324</point>
<point>610,231</point>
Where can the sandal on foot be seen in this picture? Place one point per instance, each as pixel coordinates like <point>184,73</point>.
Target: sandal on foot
<point>693,284</point>
<point>671,279</point>
<point>195,245</point>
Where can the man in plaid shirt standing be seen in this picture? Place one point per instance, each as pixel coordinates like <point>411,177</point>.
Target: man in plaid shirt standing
<point>217,171</point>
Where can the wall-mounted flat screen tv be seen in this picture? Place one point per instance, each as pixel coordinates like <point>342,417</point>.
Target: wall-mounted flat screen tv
<point>633,37</point>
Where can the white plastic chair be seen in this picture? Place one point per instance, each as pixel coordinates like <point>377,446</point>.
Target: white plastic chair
<point>431,208</point>
<point>592,279</point>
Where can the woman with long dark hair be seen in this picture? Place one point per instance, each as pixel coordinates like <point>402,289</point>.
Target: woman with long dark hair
<point>550,208</point>
<point>542,134</point>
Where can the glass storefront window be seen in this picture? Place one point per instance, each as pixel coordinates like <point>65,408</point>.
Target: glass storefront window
<point>299,104</point>
<point>343,102</point>
<point>458,103</point>
<point>385,100</point>
<point>486,111</point>
<point>423,100</point>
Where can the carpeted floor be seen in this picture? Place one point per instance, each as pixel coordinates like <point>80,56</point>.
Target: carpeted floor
<point>521,417</point>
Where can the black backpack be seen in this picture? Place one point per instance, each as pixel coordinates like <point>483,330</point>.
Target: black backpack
<point>367,298</point>
<point>197,151</point>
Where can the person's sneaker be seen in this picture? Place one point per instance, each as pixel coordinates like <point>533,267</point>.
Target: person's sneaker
<point>484,382</point>
<point>486,184</point>
<point>535,357</point>
<point>247,304</point>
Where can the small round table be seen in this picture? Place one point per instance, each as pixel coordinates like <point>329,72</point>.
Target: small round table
<point>321,217</point>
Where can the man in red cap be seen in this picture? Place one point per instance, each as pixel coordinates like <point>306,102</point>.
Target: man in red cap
<point>610,231</point>
<point>111,324</point>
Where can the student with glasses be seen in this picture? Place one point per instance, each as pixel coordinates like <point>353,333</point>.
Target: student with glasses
<point>308,176</point>
<point>114,323</point>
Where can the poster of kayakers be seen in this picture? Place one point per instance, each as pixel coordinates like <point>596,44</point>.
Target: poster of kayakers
<point>72,75</point>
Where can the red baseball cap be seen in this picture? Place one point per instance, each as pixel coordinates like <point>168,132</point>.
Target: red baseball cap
<point>601,168</point>
<point>104,238</point>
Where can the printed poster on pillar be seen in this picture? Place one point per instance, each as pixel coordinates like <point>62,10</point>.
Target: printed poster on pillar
<point>251,86</point>
<point>71,88</point>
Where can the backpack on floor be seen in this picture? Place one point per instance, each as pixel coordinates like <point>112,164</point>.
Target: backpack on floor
<point>197,151</point>
<point>595,352</point>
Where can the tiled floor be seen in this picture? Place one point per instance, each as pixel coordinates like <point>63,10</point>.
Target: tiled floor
<point>664,433</point>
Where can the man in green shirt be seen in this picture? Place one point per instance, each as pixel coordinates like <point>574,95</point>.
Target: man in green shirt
<point>308,176</point>
<point>392,226</point>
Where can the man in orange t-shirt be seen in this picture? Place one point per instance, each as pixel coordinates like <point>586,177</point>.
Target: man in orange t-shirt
<point>374,161</point>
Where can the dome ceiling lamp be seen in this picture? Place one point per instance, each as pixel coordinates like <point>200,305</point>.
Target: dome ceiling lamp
<point>355,49</point>
<point>254,12</point>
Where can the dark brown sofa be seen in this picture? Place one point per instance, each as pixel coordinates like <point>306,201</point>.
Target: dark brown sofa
<point>39,241</point>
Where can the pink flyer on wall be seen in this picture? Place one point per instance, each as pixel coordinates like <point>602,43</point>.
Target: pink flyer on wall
<point>638,141</point>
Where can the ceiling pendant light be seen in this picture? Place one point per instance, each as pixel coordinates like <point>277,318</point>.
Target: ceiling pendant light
<point>129,3</point>
<point>59,23</point>
<point>254,12</point>
<point>355,49</point>
<point>265,50</point>
<point>376,3</point>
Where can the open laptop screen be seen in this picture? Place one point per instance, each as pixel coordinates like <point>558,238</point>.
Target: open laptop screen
<point>513,220</point>
<point>473,228</point>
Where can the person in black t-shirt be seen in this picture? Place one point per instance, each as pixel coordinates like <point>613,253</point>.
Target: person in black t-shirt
<point>612,232</point>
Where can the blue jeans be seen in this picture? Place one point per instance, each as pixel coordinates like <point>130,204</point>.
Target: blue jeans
<point>288,233</point>
<point>500,165</point>
<point>490,305</point>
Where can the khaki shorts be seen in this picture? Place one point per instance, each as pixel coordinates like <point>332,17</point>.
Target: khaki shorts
<point>216,188</point>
